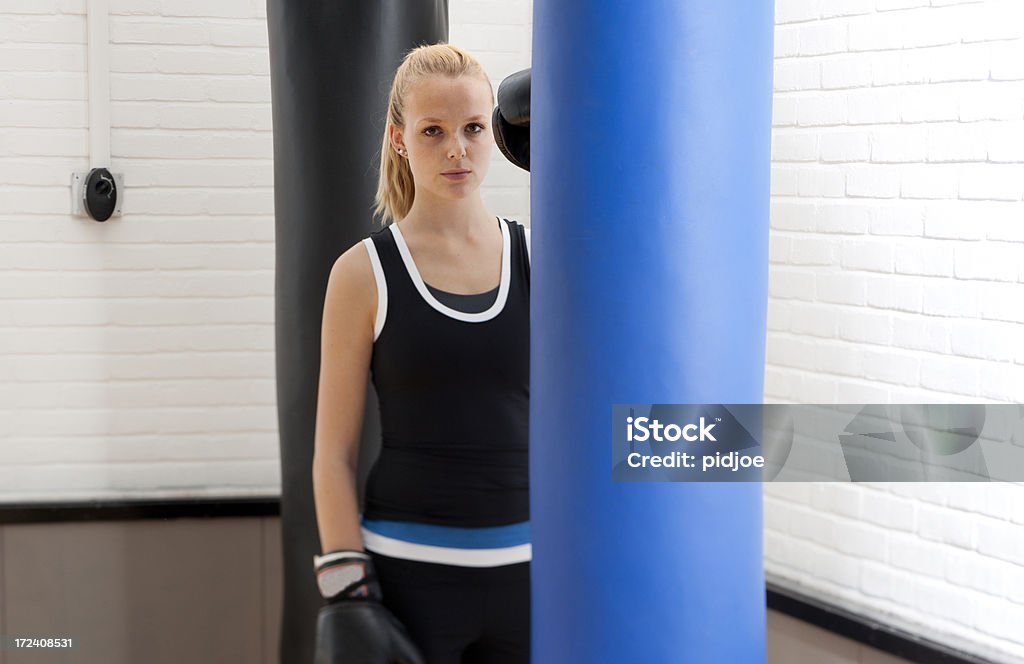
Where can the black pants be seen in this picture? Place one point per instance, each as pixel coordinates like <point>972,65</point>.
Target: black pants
<point>460,615</point>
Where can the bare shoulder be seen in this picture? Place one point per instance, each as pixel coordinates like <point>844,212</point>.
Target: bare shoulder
<point>353,266</point>
<point>351,288</point>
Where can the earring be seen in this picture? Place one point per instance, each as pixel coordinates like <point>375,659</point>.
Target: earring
<point>402,152</point>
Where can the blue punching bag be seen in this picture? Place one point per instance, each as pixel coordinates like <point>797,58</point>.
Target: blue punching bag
<point>651,133</point>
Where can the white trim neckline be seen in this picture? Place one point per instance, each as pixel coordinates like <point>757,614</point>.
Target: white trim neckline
<point>503,286</point>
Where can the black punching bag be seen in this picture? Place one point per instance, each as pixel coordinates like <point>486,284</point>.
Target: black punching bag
<point>331,66</point>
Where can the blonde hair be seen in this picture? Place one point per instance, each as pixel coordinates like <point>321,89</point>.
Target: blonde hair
<point>395,188</point>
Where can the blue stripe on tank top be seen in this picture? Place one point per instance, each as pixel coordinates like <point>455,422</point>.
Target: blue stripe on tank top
<point>489,537</point>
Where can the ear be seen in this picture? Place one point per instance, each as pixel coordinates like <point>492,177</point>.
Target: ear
<point>395,136</point>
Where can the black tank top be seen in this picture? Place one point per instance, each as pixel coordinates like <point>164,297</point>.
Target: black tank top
<point>453,389</point>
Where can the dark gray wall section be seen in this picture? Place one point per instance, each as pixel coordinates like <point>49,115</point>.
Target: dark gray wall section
<point>331,65</point>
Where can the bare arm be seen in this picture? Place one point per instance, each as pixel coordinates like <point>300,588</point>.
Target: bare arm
<point>346,345</point>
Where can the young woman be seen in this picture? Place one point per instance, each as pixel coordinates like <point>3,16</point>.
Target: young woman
<point>435,307</point>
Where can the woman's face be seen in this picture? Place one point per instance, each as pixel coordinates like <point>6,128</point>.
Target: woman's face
<point>447,135</point>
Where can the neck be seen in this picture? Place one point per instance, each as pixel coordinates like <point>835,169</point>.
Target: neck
<point>462,218</point>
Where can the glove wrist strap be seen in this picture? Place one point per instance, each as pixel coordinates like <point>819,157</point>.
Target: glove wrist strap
<point>346,575</point>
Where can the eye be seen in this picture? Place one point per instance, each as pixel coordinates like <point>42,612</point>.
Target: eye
<point>429,129</point>
<point>479,128</point>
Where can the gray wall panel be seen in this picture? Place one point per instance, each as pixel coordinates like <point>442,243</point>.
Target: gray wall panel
<point>183,590</point>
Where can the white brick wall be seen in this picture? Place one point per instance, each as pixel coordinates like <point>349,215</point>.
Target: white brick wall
<point>136,356</point>
<point>897,276</point>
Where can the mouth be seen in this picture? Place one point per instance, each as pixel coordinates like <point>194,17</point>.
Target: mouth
<point>456,171</point>
<point>459,174</point>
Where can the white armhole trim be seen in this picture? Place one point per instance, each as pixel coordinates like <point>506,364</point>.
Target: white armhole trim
<point>527,231</point>
<point>382,287</point>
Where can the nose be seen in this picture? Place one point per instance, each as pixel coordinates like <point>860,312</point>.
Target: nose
<point>457,148</point>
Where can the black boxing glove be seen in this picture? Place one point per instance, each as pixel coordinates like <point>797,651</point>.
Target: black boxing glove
<point>353,627</point>
<point>511,119</point>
